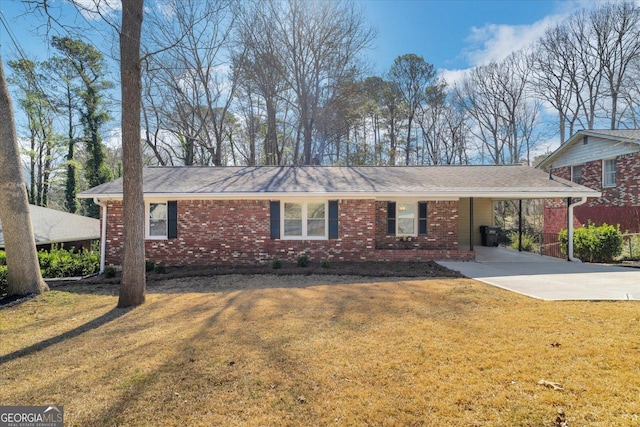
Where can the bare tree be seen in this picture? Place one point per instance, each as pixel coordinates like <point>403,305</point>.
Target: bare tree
<point>503,119</point>
<point>23,270</point>
<point>198,85</point>
<point>553,76</point>
<point>616,30</point>
<point>321,42</point>
<point>258,61</point>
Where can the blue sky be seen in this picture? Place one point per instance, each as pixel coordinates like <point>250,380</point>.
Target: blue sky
<point>459,34</point>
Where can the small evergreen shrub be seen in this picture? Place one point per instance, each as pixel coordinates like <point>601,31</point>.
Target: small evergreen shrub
<point>528,241</point>
<point>276,264</point>
<point>149,265</point>
<point>3,280</point>
<point>324,263</point>
<point>58,263</point>
<point>594,244</point>
<point>68,263</point>
<point>159,269</point>
<point>109,271</point>
<point>303,261</point>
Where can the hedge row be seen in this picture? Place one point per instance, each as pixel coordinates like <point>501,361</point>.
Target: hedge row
<point>58,263</point>
<point>594,244</point>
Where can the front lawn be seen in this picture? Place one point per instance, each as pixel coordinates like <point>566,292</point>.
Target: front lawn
<point>261,350</point>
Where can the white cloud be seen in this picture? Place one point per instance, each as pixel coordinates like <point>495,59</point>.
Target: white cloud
<point>495,42</point>
<point>453,76</point>
<point>94,9</point>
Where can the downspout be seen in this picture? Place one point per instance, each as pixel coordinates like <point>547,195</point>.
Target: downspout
<point>582,201</point>
<point>103,233</point>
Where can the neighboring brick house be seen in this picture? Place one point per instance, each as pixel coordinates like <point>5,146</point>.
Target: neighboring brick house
<point>604,160</point>
<point>214,215</point>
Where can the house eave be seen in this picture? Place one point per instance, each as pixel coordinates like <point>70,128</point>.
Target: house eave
<point>426,195</point>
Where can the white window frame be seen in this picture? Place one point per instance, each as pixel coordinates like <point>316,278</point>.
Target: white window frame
<point>581,166</point>
<point>416,213</point>
<point>147,221</point>
<point>606,175</point>
<point>305,206</point>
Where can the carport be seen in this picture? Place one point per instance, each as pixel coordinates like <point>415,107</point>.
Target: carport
<point>549,278</point>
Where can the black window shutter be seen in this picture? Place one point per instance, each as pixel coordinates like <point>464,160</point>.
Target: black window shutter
<point>172,217</point>
<point>422,218</point>
<point>274,208</point>
<point>333,219</point>
<point>391,218</point>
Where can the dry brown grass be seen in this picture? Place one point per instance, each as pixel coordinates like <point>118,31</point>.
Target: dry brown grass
<point>321,350</point>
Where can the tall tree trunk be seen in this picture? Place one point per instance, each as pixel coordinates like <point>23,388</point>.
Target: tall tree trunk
<point>132,287</point>
<point>23,270</point>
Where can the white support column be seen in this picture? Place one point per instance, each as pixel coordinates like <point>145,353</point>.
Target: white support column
<point>103,233</point>
<point>582,201</point>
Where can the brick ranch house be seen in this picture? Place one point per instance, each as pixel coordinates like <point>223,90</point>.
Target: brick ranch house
<point>218,215</point>
<point>607,161</point>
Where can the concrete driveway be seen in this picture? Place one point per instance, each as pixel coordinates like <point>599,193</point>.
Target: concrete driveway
<point>549,278</point>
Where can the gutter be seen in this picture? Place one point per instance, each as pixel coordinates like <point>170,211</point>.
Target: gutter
<point>103,233</point>
<point>582,201</point>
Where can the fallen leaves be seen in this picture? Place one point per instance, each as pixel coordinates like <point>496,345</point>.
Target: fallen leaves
<point>551,384</point>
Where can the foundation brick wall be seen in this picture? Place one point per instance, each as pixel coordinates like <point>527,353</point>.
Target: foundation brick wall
<point>238,232</point>
<point>618,205</point>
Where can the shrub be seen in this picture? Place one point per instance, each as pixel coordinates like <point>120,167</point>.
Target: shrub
<point>58,263</point>
<point>3,280</point>
<point>276,264</point>
<point>149,265</point>
<point>303,261</point>
<point>159,269</point>
<point>324,263</point>
<point>109,271</point>
<point>64,263</point>
<point>594,244</point>
<point>528,241</point>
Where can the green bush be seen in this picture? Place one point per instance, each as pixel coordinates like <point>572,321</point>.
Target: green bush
<point>57,263</point>
<point>276,264</point>
<point>159,269</point>
<point>325,263</point>
<point>149,265</point>
<point>64,263</point>
<point>3,280</point>
<point>109,271</point>
<point>303,261</point>
<point>528,241</point>
<point>594,244</point>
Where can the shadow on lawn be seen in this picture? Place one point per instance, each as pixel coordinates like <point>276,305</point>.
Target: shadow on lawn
<point>109,316</point>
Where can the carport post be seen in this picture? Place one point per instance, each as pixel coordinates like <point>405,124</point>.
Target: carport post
<point>471,223</point>
<point>520,225</point>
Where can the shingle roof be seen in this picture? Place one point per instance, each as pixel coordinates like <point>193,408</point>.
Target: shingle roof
<point>366,181</point>
<point>631,135</point>
<point>53,226</point>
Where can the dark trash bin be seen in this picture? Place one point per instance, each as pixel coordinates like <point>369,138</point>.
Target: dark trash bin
<point>489,235</point>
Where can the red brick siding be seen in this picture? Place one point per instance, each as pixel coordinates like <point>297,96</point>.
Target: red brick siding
<point>618,205</point>
<point>442,228</point>
<point>238,232</point>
